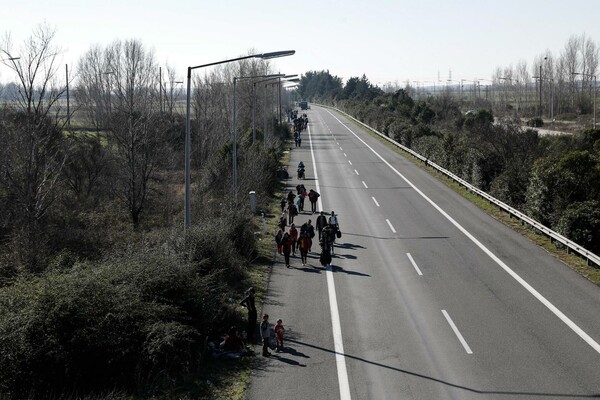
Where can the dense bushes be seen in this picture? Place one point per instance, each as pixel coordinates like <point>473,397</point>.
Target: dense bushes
<point>113,307</point>
<point>136,318</point>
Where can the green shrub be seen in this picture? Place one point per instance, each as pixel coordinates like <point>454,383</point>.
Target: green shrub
<point>128,321</point>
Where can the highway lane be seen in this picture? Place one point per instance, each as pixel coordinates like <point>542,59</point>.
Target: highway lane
<point>446,322</point>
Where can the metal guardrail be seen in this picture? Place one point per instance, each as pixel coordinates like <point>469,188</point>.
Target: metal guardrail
<point>554,236</point>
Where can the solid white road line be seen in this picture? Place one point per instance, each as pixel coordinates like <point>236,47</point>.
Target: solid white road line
<point>376,203</point>
<point>338,342</point>
<point>574,327</point>
<point>365,185</point>
<point>457,332</point>
<point>390,224</point>
<point>356,172</point>
<point>414,264</point>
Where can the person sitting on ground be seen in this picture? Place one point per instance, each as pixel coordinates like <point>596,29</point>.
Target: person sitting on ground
<point>233,342</point>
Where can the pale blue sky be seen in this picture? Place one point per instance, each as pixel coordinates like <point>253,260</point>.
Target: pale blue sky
<point>387,40</point>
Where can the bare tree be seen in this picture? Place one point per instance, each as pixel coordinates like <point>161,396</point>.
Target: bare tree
<point>120,85</point>
<point>36,65</point>
<point>33,146</point>
<point>93,88</point>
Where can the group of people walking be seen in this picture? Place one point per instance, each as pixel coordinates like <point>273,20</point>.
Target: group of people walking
<point>292,240</point>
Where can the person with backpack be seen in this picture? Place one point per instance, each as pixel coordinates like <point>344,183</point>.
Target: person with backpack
<point>302,196</point>
<point>326,246</point>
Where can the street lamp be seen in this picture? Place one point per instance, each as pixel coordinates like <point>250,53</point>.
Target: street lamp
<point>278,83</point>
<point>234,129</point>
<point>275,76</point>
<point>264,56</point>
<point>595,86</point>
<point>288,78</point>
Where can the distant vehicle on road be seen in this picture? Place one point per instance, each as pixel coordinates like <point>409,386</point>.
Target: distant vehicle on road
<point>303,105</point>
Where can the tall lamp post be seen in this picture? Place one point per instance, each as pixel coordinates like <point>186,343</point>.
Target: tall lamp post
<point>595,86</point>
<point>264,56</point>
<point>234,129</point>
<point>269,78</point>
<point>278,83</point>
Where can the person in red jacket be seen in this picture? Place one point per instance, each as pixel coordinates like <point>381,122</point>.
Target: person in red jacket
<point>304,244</point>
<point>286,245</point>
<point>293,237</point>
<point>279,331</point>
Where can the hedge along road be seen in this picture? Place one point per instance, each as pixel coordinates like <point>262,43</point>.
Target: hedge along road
<point>425,312</point>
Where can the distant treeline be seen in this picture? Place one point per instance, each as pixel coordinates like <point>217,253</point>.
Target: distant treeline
<point>554,179</point>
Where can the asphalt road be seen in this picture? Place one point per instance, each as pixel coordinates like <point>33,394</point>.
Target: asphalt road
<point>427,297</point>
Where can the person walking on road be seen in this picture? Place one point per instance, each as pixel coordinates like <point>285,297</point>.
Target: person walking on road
<point>309,229</point>
<point>265,334</point>
<point>326,246</point>
<point>283,203</point>
<point>278,238</point>
<point>290,197</point>
<point>292,212</point>
<point>293,238</point>
<point>249,303</point>
<point>313,196</point>
<point>304,244</point>
<point>321,223</point>
<point>286,245</point>
<point>282,223</point>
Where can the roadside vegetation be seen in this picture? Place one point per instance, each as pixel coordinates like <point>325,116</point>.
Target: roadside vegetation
<point>103,293</point>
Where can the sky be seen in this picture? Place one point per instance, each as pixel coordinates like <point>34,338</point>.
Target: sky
<point>386,40</point>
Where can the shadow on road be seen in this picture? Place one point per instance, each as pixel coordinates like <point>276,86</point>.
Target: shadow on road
<point>350,246</point>
<point>308,268</point>
<point>454,385</point>
<point>335,268</point>
<point>278,357</point>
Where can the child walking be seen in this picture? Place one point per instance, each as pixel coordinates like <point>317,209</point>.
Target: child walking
<point>279,331</point>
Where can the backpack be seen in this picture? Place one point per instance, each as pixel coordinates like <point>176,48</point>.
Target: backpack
<point>293,210</point>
